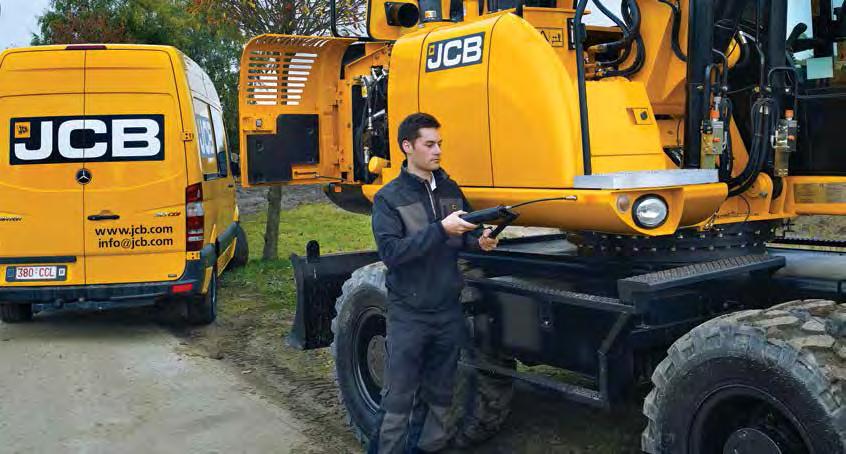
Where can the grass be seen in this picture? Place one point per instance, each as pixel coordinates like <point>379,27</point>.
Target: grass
<point>265,286</point>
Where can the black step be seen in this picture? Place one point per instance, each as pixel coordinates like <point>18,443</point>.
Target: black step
<point>696,273</point>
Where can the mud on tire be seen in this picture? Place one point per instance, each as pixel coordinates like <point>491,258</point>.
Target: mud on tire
<point>481,404</point>
<point>776,377</point>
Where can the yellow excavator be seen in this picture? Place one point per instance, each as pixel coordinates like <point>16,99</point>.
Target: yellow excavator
<point>670,146</point>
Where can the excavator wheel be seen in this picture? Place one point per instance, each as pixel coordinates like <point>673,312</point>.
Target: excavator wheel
<point>481,402</point>
<point>763,381</point>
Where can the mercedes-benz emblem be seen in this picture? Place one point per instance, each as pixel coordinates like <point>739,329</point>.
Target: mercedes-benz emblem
<point>83,176</point>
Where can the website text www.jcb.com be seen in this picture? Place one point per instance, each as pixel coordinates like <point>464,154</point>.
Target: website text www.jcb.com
<point>132,237</point>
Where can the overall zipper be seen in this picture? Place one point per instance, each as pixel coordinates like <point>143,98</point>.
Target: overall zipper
<point>431,198</point>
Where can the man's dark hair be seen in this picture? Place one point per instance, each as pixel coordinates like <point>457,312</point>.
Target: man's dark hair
<point>410,128</point>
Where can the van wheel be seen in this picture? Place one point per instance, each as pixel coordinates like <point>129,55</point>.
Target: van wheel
<point>242,250</point>
<point>15,313</point>
<point>202,309</point>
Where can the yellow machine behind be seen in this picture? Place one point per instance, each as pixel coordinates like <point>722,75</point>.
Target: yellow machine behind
<point>504,87</point>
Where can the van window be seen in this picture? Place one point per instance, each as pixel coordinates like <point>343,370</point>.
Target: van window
<point>205,140</point>
<point>220,142</point>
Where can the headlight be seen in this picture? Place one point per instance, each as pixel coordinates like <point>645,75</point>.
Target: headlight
<point>650,211</point>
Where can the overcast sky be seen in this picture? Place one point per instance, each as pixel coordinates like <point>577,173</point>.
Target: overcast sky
<point>18,21</point>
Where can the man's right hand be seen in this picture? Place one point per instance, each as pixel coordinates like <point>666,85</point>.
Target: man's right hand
<point>455,226</point>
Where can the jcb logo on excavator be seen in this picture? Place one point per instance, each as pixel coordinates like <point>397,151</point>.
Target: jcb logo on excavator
<point>48,140</point>
<point>455,52</point>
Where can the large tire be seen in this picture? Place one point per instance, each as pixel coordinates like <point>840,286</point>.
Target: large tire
<point>773,378</point>
<point>359,347</point>
<point>202,309</point>
<point>242,250</point>
<point>15,313</point>
<point>481,403</point>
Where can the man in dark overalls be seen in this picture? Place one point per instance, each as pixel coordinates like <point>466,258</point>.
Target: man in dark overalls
<point>419,232</point>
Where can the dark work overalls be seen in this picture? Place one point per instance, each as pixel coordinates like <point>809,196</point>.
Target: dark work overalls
<point>425,326</point>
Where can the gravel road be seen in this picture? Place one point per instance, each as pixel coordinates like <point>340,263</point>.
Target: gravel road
<point>119,382</point>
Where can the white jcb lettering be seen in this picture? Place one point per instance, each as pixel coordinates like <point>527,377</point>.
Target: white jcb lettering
<point>69,151</point>
<point>434,60</point>
<point>472,50</point>
<point>64,139</point>
<point>120,138</point>
<point>23,153</point>
<point>452,53</point>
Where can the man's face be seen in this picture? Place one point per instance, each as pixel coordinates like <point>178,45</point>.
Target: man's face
<point>425,152</point>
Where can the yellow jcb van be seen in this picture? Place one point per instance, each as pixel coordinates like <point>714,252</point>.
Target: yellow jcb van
<point>115,181</point>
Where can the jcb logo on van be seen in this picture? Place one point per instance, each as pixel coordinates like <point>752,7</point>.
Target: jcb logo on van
<point>22,130</point>
<point>455,52</point>
<point>48,140</point>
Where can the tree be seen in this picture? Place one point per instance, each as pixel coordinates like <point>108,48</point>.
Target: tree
<point>215,46</point>
<point>291,17</point>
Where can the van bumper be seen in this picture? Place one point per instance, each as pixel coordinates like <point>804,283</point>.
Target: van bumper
<point>111,294</point>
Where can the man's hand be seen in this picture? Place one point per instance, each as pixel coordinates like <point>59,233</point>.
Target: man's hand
<point>486,242</point>
<point>455,226</point>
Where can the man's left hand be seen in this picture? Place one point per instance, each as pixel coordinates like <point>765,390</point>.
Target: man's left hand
<point>486,242</point>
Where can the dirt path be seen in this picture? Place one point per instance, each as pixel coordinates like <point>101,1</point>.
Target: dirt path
<point>119,382</point>
<point>302,382</point>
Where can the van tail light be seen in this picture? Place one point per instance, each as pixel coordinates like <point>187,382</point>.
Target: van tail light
<point>194,218</point>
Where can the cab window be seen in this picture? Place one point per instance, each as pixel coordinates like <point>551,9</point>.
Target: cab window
<point>206,141</point>
<point>220,146</point>
<point>816,29</point>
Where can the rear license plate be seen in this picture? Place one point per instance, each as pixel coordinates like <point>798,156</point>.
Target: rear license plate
<point>36,273</point>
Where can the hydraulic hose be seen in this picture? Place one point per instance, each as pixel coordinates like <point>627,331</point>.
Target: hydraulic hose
<point>632,17</point>
<point>676,12</point>
<point>578,28</point>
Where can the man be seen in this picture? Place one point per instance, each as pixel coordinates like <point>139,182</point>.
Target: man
<point>419,232</point>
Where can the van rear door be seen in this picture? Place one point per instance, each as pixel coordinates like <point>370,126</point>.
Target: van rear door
<point>135,203</point>
<point>41,234</point>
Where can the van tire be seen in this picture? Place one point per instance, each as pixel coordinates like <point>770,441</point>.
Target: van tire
<point>202,309</point>
<point>242,250</point>
<point>15,313</point>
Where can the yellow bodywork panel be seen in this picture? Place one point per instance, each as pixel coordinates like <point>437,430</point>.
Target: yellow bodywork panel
<point>504,89</point>
<point>534,125</point>
<point>104,143</point>
<point>42,210</point>
<point>624,135</point>
<point>816,195</point>
<point>125,82</point>
<point>292,75</point>
<point>458,97</point>
<point>599,209</point>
